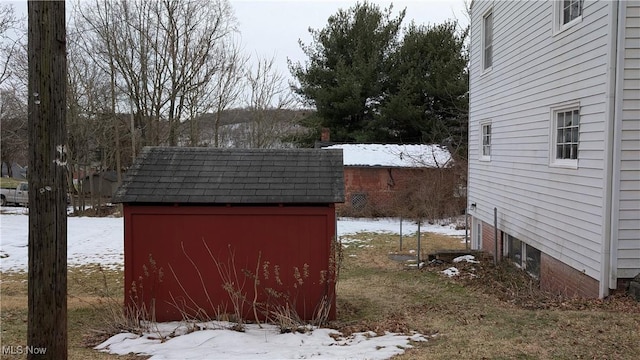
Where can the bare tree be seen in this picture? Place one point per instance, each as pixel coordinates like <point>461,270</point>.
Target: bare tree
<point>13,89</point>
<point>47,285</point>
<point>269,102</point>
<point>164,52</point>
<point>8,46</point>
<point>433,191</point>
<point>227,86</point>
<point>86,104</point>
<point>13,129</point>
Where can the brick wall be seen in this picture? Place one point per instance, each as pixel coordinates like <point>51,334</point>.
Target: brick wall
<point>488,239</point>
<point>380,184</point>
<point>557,277</point>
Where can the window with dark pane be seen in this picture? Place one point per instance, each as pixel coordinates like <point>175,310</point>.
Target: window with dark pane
<point>488,40</point>
<point>515,250</point>
<point>532,264</point>
<point>567,134</point>
<point>486,140</point>
<point>571,10</point>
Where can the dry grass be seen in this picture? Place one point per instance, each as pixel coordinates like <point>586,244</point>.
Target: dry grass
<point>87,304</point>
<point>474,316</point>
<point>470,317</point>
<point>9,183</point>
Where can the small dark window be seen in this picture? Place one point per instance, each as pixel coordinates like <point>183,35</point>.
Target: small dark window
<point>486,140</point>
<point>524,256</point>
<point>488,41</point>
<point>515,250</point>
<point>571,10</point>
<point>533,261</point>
<point>358,201</point>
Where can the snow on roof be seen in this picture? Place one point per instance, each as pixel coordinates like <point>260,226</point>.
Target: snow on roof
<point>392,155</point>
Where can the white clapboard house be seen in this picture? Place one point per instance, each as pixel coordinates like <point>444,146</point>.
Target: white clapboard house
<point>554,140</point>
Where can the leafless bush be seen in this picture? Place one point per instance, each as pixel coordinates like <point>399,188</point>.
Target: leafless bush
<point>136,308</point>
<point>432,194</point>
<point>277,305</point>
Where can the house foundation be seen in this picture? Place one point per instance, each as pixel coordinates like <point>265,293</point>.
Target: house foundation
<point>554,275</point>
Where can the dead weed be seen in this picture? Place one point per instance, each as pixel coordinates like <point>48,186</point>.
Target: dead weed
<point>509,284</point>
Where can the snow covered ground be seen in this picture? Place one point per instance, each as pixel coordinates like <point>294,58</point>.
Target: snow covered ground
<point>89,240</point>
<point>92,240</point>
<point>217,342</point>
<point>100,240</point>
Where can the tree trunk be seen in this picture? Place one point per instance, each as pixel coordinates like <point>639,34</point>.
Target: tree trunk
<point>9,168</point>
<point>47,286</point>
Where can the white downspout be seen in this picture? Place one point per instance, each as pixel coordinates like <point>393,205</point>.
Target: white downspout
<point>608,264</point>
<point>617,145</point>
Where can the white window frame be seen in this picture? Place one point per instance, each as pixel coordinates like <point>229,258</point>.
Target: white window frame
<point>485,156</point>
<point>554,161</point>
<point>559,25</point>
<point>487,67</point>
<point>476,230</point>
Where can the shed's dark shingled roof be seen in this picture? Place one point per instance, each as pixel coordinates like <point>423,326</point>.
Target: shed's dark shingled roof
<point>240,176</point>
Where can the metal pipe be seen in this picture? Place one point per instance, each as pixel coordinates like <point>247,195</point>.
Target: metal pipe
<point>495,235</point>
<point>419,221</point>
<point>466,228</point>
<point>400,233</point>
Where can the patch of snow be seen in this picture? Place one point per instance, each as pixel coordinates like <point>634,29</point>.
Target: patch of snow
<point>89,240</point>
<point>101,240</point>
<point>393,155</point>
<point>452,271</point>
<point>258,343</point>
<point>467,258</point>
<point>350,226</point>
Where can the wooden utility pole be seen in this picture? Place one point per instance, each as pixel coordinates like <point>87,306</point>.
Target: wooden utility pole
<point>47,320</point>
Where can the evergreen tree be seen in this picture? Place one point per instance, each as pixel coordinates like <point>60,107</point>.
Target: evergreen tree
<point>369,86</point>
<point>348,62</point>
<point>428,87</point>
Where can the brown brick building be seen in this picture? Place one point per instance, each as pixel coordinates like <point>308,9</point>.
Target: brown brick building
<point>376,175</point>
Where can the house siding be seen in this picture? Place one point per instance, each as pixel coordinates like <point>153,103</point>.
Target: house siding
<point>628,182</point>
<point>556,210</point>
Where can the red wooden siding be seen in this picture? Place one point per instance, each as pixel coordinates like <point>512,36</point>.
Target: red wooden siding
<point>288,237</point>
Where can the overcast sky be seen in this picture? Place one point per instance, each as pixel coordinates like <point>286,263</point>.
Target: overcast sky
<point>272,28</point>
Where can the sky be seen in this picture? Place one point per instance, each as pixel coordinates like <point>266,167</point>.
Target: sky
<point>272,28</point>
<point>100,240</point>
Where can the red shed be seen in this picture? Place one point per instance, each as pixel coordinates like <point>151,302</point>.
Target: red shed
<point>231,231</point>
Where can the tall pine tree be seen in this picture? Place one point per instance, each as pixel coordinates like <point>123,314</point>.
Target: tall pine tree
<point>347,66</point>
<point>428,87</point>
<point>368,85</point>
